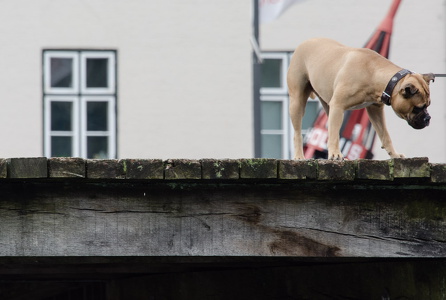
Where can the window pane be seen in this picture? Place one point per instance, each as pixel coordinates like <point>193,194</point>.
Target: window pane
<point>271,115</point>
<point>311,112</point>
<point>61,72</point>
<point>97,116</point>
<point>272,73</point>
<point>61,114</point>
<point>271,146</point>
<point>97,69</point>
<point>97,147</point>
<point>61,146</point>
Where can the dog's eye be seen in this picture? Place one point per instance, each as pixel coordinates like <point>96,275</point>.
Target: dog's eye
<point>410,91</point>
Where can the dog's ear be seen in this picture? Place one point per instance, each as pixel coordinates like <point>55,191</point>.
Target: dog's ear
<point>428,77</point>
<point>409,90</point>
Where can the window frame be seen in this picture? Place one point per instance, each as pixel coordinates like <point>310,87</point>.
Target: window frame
<point>74,133</point>
<point>283,89</point>
<point>111,121</point>
<point>111,79</point>
<point>79,95</point>
<point>48,54</point>
<point>285,122</point>
<point>279,94</point>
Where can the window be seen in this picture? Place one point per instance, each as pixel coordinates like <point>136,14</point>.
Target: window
<point>275,126</point>
<point>79,93</point>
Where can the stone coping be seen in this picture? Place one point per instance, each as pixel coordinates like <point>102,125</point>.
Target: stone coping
<point>223,169</point>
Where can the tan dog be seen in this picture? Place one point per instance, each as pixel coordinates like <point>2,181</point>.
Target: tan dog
<point>347,78</point>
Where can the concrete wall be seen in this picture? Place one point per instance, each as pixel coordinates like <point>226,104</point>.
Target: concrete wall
<point>184,72</point>
<point>418,44</point>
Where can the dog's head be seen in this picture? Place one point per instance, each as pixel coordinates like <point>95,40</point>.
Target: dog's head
<point>413,99</point>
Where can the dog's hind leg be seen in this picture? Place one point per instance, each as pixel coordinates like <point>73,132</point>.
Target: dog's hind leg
<point>325,106</point>
<point>298,99</point>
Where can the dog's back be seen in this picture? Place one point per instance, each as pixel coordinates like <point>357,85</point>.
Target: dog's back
<point>329,58</point>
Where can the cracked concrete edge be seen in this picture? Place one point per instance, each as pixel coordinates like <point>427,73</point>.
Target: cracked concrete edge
<point>223,169</point>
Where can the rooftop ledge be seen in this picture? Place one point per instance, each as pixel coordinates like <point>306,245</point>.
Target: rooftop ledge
<point>393,170</point>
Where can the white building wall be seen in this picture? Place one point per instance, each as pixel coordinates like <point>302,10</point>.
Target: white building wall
<point>184,72</point>
<point>418,44</point>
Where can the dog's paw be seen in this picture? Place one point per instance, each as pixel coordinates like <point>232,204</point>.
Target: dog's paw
<point>397,155</point>
<point>299,157</point>
<point>299,154</point>
<point>336,156</point>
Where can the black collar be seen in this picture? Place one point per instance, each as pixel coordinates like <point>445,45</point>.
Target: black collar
<point>387,94</point>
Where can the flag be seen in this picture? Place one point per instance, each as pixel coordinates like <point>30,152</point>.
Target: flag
<point>380,40</point>
<point>270,10</point>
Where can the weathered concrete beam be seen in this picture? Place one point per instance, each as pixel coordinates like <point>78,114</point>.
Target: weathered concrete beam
<point>343,171</point>
<point>262,168</point>
<point>217,169</point>
<point>182,169</point>
<point>105,169</point>
<point>3,168</point>
<point>34,167</point>
<point>63,167</point>
<point>411,168</point>
<point>298,169</point>
<point>374,170</point>
<point>220,169</point>
<point>143,168</point>
<point>438,173</point>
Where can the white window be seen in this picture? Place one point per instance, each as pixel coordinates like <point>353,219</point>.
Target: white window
<point>79,103</point>
<point>97,126</point>
<point>275,126</point>
<point>274,71</point>
<point>98,72</point>
<point>61,128</point>
<point>61,72</point>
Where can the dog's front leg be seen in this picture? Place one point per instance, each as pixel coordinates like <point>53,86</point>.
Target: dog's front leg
<point>376,115</point>
<point>335,119</point>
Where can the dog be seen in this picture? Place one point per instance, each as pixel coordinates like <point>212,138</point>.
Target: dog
<point>346,78</point>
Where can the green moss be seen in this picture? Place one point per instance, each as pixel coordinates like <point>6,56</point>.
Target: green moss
<point>259,168</point>
<point>124,166</point>
<point>391,168</point>
<point>257,161</point>
<point>218,169</point>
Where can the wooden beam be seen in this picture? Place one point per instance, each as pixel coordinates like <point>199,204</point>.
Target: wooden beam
<point>203,208</point>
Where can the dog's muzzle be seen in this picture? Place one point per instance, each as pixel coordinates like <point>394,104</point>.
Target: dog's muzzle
<point>421,118</point>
